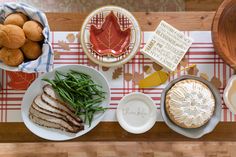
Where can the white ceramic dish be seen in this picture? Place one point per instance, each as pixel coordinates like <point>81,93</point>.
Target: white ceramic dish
<point>106,60</point>
<point>36,89</point>
<point>226,96</point>
<point>136,113</point>
<point>196,132</point>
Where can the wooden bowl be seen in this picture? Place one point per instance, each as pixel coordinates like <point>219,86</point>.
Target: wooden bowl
<point>224,32</point>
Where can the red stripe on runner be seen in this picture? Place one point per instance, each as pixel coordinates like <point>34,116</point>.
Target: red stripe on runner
<point>2,95</point>
<point>53,44</point>
<point>115,98</point>
<point>66,59</point>
<point>123,92</point>
<point>202,58</point>
<point>201,53</point>
<point>5,106</point>
<point>133,71</point>
<point>71,53</point>
<point>201,43</point>
<point>11,98</point>
<point>140,88</point>
<point>10,109</point>
<point>11,105</point>
<point>113,104</point>
<point>137,88</point>
<point>57,44</point>
<point>65,62</point>
<point>225,114</point>
<point>202,47</point>
<point>230,116</point>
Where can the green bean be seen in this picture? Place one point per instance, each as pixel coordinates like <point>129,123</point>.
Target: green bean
<point>79,91</point>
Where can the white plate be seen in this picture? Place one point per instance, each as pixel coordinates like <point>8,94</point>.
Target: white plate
<point>36,89</point>
<point>105,60</point>
<point>136,113</point>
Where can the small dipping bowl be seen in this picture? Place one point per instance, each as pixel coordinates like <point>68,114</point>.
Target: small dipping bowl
<point>230,94</point>
<point>136,113</point>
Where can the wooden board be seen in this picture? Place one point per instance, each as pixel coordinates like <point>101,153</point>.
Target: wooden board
<point>148,21</point>
<point>119,149</point>
<point>202,5</point>
<point>111,131</point>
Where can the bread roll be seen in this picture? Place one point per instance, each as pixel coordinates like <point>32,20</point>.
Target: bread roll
<point>31,49</point>
<point>12,36</point>
<point>1,26</point>
<point>11,57</point>
<point>33,30</point>
<point>16,19</point>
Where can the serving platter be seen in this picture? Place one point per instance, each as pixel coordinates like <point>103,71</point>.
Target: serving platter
<point>36,89</point>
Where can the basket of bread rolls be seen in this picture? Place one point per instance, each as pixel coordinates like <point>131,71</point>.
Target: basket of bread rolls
<point>24,39</point>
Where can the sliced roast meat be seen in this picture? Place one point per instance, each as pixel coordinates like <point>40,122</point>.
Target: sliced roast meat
<point>55,112</point>
<point>51,112</point>
<point>52,121</point>
<point>46,123</point>
<point>43,103</point>
<point>54,102</point>
<point>47,89</point>
<point>50,91</point>
<point>46,110</point>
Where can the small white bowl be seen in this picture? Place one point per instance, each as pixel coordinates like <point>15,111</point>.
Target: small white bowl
<point>228,103</point>
<point>136,113</point>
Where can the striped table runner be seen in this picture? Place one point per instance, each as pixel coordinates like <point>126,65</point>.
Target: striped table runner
<point>69,51</point>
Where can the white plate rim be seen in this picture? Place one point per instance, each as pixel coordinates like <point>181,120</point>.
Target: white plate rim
<point>152,119</point>
<point>68,136</point>
<point>111,64</point>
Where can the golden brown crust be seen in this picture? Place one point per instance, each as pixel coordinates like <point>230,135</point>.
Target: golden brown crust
<point>167,104</point>
<point>31,49</point>
<point>11,57</point>
<point>33,30</point>
<point>12,36</point>
<point>16,19</point>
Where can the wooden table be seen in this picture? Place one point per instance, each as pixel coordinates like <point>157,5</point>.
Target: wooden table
<point>111,131</point>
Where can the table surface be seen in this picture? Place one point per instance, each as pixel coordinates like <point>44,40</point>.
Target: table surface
<point>111,131</point>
